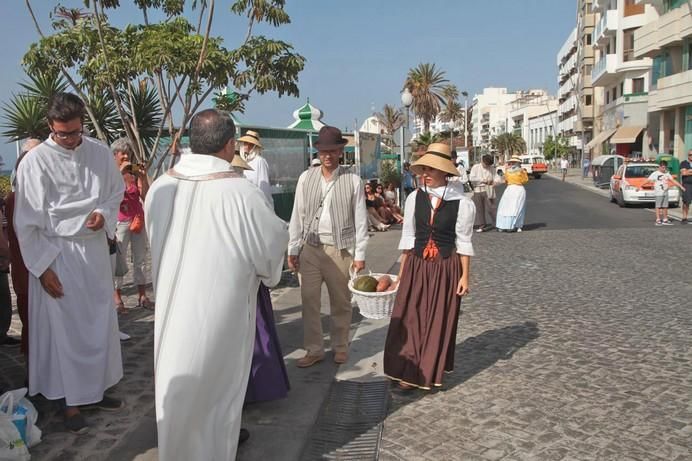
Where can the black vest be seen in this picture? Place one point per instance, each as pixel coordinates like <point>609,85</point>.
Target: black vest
<point>443,228</point>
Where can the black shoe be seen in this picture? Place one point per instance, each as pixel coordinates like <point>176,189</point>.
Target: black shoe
<point>76,424</point>
<point>107,404</point>
<point>10,342</point>
<point>683,221</point>
<point>244,436</point>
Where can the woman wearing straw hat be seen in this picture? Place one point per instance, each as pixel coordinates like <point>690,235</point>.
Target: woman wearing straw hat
<point>512,208</point>
<point>268,376</point>
<point>434,274</point>
<point>258,174</point>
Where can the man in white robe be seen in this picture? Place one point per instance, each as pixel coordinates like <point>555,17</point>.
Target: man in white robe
<point>67,199</point>
<point>213,239</point>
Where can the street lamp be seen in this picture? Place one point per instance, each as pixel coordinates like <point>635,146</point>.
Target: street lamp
<point>466,122</point>
<point>406,101</point>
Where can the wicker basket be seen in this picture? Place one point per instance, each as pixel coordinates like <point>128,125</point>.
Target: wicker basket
<point>375,305</point>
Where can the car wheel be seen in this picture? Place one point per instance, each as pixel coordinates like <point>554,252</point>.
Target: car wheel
<point>611,197</point>
<point>621,201</point>
<point>536,176</point>
<point>674,205</point>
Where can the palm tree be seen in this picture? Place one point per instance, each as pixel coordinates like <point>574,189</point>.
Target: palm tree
<point>24,116</point>
<point>391,119</point>
<point>426,83</point>
<point>508,144</point>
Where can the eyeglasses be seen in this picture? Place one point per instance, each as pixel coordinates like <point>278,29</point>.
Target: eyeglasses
<point>64,135</point>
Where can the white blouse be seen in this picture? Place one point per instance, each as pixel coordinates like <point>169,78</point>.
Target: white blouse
<point>465,217</point>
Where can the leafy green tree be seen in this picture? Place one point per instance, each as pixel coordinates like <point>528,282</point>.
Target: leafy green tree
<point>426,84</point>
<point>179,55</point>
<point>555,147</point>
<point>390,173</point>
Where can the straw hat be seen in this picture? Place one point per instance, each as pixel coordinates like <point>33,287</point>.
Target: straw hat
<point>251,137</point>
<point>238,162</point>
<point>514,158</point>
<point>437,156</point>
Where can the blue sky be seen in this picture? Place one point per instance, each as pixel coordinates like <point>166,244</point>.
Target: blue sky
<point>359,51</point>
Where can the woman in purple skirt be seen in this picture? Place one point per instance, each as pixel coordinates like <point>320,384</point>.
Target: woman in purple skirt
<point>268,376</point>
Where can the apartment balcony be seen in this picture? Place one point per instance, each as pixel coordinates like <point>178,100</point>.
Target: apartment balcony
<point>604,71</point>
<point>589,20</point>
<point>670,29</point>
<point>632,10</point>
<point>606,27</point>
<point>585,82</point>
<point>672,91</point>
<point>587,52</point>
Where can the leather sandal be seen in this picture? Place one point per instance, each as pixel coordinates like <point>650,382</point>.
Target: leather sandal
<point>309,360</point>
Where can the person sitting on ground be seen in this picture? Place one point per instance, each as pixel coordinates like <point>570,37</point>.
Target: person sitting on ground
<point>375,220</point>
<point>389,210</point>
<point>390,194</point>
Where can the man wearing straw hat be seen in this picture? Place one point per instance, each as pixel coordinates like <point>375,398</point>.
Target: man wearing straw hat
<point>328,236</point>
<point>258,174</point>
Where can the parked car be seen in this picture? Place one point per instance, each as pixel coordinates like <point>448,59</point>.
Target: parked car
<point>627,185</point>
<point>535,165</point>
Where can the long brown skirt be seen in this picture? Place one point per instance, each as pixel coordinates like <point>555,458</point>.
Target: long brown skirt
<point>423,329</point>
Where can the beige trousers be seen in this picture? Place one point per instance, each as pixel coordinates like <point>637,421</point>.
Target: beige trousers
<point>324,263</point>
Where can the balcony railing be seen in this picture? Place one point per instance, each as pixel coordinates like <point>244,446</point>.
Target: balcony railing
<point>628,55</point>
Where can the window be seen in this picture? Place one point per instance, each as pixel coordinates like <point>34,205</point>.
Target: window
<point>640,171</point>
<point>588,39</point>
<point>622,88</point>
<point>588,99</point>
<point>628,52</point>
<point>638,85</point>
<point>607,96</point>
<point>587,69</point>
<point>615,93</point>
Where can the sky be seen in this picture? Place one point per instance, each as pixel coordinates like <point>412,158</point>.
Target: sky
<point>358,52</point>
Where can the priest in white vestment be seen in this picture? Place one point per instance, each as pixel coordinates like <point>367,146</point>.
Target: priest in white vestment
<point>214,238</point>
<point>67,199</point>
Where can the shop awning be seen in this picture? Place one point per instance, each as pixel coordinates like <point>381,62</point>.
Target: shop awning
<point>626,134</point>
<point>600,138</point>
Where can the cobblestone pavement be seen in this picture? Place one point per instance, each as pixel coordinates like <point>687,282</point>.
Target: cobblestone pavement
<point>574,345</point>
<point>136,389</point>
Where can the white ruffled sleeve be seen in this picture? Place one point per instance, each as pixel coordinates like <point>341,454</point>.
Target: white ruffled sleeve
<point>464,228</point>
<point>408,231</point>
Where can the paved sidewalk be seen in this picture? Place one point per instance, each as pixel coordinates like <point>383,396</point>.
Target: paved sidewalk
<point>279,430</point>
<point>574,176</point>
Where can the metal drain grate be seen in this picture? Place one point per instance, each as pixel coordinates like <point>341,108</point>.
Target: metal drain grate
<point>349,425</point>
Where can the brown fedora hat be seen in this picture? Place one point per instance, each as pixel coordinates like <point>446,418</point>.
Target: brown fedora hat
<point>329,138</point>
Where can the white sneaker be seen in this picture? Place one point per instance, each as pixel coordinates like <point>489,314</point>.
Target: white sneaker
<point>667,223</point>
<point>123,336</point>
<point>479,230</point>
<point>519,229</point>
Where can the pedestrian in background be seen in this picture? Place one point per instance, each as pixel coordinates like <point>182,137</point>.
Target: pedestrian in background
<point>213,239</point>
<point>661,181</point>
<point>67,196</point>
<point>5,295</point>
<point>18,271</point>
<point>129,231</point>
<point>409,181</point>
<point>434,275</point>
<point>328,236</point>
<point>686,179</point>
<point>483,179</point>
<point>564,165</point>
<point>512,208</point>
<point>258,173</point>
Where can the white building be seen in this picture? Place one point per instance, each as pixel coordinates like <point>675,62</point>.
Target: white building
<point>529,104</point>
<point>489,116</point>
<point>668,42</point>
<point>623,75</point>
<point>568,93</point>
<point>540,127</point>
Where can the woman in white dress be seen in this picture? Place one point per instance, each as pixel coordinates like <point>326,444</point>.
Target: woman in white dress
<point>512,208</point>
